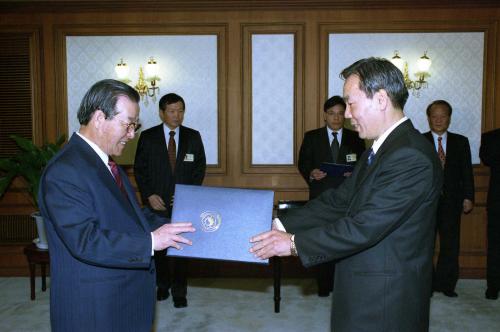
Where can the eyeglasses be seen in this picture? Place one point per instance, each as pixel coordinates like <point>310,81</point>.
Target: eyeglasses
<point>131,126</point>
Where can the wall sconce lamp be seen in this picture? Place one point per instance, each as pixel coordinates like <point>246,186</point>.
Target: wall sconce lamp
<point>423,65</point>
<point>143,88</point>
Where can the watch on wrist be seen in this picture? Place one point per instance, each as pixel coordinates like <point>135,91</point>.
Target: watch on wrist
<point>293,248</point>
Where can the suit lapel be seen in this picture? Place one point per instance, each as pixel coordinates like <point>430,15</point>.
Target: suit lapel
<point>450,144</point>
<point>106,178</point>
<point>324,143</point>
<point>365,170</point>
<point>182,147</point>
<point>344,146</point>
<point>161,146</point>
<point>132,199</point>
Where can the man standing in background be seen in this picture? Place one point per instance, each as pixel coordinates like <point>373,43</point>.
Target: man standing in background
<point>333,144</point>
<point>490,156</point>
<point>168,154</point>
<point>456,197</point>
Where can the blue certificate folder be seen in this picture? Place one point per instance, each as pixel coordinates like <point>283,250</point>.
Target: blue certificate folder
<point>336,169</point>
<point>224,218</point>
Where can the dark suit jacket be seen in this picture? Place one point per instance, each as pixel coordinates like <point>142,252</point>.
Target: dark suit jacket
<point>458,179</point>
<point>490,156</point>
<point>380,224</point>
<point>315,149</point>
<point>152,167</point>
<point>102,276</point>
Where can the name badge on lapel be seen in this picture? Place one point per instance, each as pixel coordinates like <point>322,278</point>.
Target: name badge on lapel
<point>189,157</point>
<point>351,158</point>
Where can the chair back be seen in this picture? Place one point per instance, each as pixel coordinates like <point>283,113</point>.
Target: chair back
<point>284,206</point>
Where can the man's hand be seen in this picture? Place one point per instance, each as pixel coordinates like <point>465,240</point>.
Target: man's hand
<point>156,203</point>
<point>468,205</point>
<point>271,243</point>
<point>167,235</point>
<point>317,174</point>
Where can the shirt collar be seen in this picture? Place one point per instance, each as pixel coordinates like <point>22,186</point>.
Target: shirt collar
<point>444,136</point>
<point>104,156</point>
<point>378,142</point>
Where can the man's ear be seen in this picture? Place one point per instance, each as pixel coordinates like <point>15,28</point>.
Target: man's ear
<point>98,118</point>
<point>160,113</point>
<point>382,99</point>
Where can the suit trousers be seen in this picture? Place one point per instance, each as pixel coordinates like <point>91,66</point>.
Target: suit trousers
<point>448,228</point>
<point>493,260</point>
<point>325,277</point>
<point>171,273</point>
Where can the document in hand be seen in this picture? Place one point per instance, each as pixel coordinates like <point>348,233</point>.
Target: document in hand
<point>224,218</point>
<point>336,169</point>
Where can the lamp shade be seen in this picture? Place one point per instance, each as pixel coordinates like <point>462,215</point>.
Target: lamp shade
<point>397,61</point>
<point>424,63</point>
<point>122,70</point>
<point>152,68</point>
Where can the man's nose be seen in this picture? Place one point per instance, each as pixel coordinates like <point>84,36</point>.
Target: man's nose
<point>131,134</point>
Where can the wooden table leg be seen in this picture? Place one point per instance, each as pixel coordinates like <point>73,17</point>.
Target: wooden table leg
<point>32,280</point>
<point>277,283</point>
<point>44,284</point>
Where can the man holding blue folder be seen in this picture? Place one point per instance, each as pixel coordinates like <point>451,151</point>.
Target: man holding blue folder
<point>329,144</point>
<point>379,223</point>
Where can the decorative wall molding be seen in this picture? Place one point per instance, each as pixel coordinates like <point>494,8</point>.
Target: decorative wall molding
<point>201,5</point>
<point>249,30</point>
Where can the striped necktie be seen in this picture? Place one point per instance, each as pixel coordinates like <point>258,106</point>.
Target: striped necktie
<point>441,154</point>
<point>371,155</point>
<point>172,151</point>
<point>116,174</point>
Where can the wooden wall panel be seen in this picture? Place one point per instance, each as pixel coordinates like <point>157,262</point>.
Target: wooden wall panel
<point>312,23</point>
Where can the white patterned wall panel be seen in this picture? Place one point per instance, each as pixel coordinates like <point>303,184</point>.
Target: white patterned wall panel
<point>188,67</point>
<point>456,72</point>
<point>272,99</point>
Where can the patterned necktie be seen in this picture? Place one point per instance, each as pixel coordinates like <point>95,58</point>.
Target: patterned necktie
<point>116,175</point>
<point>371,155</point>
<point>335,147</point>
<point>172,150</point>
<point>441,154</point>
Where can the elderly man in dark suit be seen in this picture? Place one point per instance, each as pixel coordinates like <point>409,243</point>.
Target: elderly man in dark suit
<point>457,196</point>
<point>168,154</point>
<point>101,242</point>
<point>332,144</point>
<point>379,223</point>
<point>490,156</point>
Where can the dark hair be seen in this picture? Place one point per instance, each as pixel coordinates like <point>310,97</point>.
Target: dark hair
<point>103,95</point>
<point>376,74</point>
<point>171,98</point>
<point>333,101</point>
<point>439,102</point>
